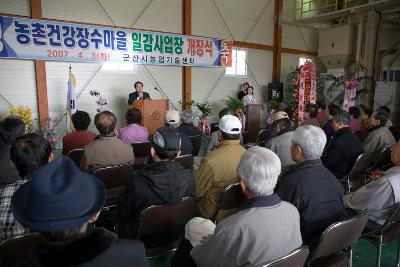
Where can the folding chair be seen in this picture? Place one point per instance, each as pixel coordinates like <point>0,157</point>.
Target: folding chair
<point>12,250</point>
<point>389,231</point>
<point>296,258</point>
<point>358,173</point>
<point>116,179</point>
<point>336,238</point>
<point>383,160</point>
<point>159,220</point>
<point>186,160</point>
<point>231,198</point>
<point>196,143</point>
<point>263,135</point>
<point>142,152</point>
<point>76,156</point>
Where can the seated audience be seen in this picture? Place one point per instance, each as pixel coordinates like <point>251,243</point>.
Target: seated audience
<point>187,126</point>
<point>265,228</point>
<point>388,111</point>
<point>134,132</point>
<point>10,129</point>
<point>249,98</point>
<point>327,127</point>
<point>214,136</point>
<point>59,202</point>
<point>282,142</point>
<point>364,120</point>
<point>311,187</point>
<point>164,182</point>
<point>218,168</point>
<point>173,120</point>
<point>379,136</point>
<point>355,114</point>
<point>81,136</point>
<point>28,153</point>
<point>378,197</point>
<point>310,115</point>
<point>107,149</point>
<point>323,114</point>
<point>343,148</point>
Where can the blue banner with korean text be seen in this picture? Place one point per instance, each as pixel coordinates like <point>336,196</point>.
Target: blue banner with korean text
<point>48,40</point>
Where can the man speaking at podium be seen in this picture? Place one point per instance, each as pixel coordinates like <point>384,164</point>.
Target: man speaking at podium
<point>139,94</point>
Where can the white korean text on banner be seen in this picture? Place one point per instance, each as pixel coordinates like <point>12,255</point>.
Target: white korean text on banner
<point>48,40</point>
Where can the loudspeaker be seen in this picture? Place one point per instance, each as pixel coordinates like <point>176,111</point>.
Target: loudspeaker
<point>275,92</point>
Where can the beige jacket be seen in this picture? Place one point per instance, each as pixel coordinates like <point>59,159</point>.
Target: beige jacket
<point>106,151</point>
<point>217,170</point>
<point>378,139</point>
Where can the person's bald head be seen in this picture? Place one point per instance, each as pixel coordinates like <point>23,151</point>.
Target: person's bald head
<point>105,122</point>
<point>395,155</point>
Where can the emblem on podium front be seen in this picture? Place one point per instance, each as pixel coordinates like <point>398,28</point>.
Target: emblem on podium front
<point>155,115</point>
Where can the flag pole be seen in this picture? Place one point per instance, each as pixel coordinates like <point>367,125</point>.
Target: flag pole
<point>68,114</point>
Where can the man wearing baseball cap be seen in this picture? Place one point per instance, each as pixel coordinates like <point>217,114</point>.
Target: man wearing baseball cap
<point>59,202</point>
<point>172,119</point>
<point>218,168</point>
<point>164,182</point>
<point>281,143</point>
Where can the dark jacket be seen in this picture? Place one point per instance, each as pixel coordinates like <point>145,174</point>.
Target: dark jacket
<point>328,129</point>
<point>186,144</point>
<point>241,94</point>
<point>133,96</point>
<point>8,172</point>
<point>189,129</point>
<point>100,248</point>
<point>316,193</point>
<point>164,182</point>
<point>341,152</point>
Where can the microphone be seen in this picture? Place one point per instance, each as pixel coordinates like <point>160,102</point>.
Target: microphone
<point>162,96</point>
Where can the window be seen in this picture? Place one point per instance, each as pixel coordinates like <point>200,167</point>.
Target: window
<point>302,60</point>
<point>239,67</point>
<point>120,68</point>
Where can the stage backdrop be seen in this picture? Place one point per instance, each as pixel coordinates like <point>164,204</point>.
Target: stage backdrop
<point>49,40</point>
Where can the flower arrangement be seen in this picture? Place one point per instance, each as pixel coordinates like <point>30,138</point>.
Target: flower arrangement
<point>24,113</point>
<point>100,101</point>
<point>48,130</point>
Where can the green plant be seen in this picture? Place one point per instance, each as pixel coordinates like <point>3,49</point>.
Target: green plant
<point>271,105</point>
<point>204,108</point>
<point>234,103</point>
<point>291,87</point>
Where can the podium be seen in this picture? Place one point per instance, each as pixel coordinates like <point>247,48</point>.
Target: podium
<point>153,112</point>
<point>253,121</point>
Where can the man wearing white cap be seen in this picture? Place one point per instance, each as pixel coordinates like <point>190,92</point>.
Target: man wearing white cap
<point>218,168</point>
<point>172,119</point>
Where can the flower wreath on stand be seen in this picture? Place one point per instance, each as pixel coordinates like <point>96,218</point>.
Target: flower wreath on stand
<point>306,91</point>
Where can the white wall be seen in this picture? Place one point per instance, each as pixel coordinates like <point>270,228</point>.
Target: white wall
<point>161,15</point>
